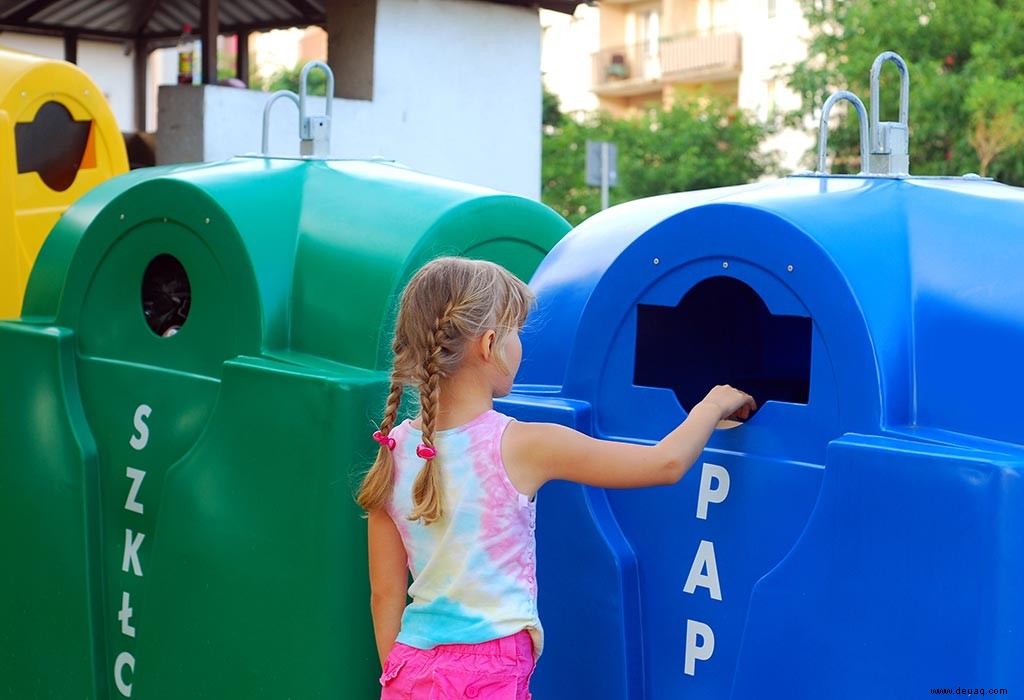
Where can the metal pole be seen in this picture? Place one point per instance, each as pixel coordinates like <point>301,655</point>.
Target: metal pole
<point>140,60</point>
<point>209,20</point>
<point>71,47</point>
<point>242,60</point>
<point>604,175</point>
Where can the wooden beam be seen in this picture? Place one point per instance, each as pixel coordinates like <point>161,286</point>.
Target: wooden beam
<point>60,30</point>
<point>25,13</point>
<point>71,47</point>
<point>209,16</point>
<point>242,61</point>
<point>140,61</point>
<point>166,39</point>
<point>304,9</point>
<point>144,10</point>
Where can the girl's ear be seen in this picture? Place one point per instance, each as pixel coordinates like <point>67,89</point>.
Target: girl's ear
<point>487,345</point>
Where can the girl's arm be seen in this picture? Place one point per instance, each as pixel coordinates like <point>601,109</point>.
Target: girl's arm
<point>389,577</point>
<point>535,453</point>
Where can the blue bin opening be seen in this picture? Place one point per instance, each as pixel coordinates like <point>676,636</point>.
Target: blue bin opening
<point>723,333</point>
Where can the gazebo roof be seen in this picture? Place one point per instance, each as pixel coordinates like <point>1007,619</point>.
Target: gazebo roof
<point>157,20</point>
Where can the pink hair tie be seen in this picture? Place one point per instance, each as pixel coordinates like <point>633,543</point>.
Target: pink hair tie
<point>425,452</point>
<point>383,439</point>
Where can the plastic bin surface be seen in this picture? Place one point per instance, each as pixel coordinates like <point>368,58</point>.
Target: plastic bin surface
<point>861,535</point>
<point>58,140</point>
<point>179,511</point>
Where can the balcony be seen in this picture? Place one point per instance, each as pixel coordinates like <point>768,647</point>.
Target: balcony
<point>643,68</point>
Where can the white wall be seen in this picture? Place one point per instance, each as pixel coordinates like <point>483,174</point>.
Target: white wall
<point>465,103</point>
<point>770,43</point>
<point>106,64</point>
<point>456,93</point>
<point>162,69</point>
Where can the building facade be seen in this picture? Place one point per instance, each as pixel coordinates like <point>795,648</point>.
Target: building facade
<point>650,50</point>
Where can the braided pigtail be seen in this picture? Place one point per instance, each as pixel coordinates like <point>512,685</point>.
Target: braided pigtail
<point>449,304</point>
<point>426,490</point>
<point>379,482</point>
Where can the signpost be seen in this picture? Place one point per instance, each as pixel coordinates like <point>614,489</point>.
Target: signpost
<point>602,167</point>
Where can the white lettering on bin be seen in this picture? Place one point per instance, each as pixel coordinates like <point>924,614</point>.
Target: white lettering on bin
<point>704,561</point>
<point>136,475</point>
<point>124,659</point>
<point>714,488</point>
<point>139,441</point>
<point>131,552</point>
<point>132,542</point>
<point>695,652</point>
<point>125,614</point>
<point>707,494</point>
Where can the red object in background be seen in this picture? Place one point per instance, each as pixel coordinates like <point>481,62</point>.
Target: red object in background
<point>186,56</point>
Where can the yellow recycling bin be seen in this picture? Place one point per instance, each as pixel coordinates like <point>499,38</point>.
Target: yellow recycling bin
<point>58,140</point>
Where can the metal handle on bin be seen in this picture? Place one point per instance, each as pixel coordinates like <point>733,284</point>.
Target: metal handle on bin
<point>889,140</point>
<point>266,113</point>
<point>315,132</point>
<point>862,115</point>
<point>876,69</point>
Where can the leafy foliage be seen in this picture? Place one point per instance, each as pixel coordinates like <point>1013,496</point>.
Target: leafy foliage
<point>551,110</point>
<point>288,79</point>
<point>966,61</point>
<point>698,143</point>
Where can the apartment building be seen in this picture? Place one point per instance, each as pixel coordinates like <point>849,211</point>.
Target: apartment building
<point>651,49</point>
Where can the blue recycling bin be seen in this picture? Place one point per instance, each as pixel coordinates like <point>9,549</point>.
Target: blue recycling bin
<point>863,534</point>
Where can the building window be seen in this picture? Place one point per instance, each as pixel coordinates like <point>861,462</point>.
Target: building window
<point>649,32</point>
<point>714,15</point>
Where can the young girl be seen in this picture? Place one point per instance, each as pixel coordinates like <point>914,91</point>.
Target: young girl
<point>450,496</point>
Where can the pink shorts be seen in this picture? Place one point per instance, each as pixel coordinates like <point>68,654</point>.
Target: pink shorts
<point>495,670</point>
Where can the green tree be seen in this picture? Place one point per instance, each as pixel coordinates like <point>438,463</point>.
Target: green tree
<point>288,79</point>
<point>226,65</point>
<point>698,143</point>
<point>966,61</point>
<point>551,109</point>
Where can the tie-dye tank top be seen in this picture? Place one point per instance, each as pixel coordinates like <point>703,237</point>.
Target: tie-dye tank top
<point>474,570</point>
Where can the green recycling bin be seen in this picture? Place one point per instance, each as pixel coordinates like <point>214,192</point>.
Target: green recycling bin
<point>187,405</point>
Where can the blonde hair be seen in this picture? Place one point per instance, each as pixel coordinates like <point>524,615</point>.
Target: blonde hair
<point>447,303</point>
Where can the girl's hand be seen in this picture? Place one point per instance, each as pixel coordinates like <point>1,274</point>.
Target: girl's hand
<point>732,403</point>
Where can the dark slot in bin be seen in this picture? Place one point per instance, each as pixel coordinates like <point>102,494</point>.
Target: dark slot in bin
<point>55,146</point>
<point>166,295</point>
<point>723,333</point>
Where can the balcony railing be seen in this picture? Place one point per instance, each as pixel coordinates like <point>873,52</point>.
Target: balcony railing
<point>689,58</point>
